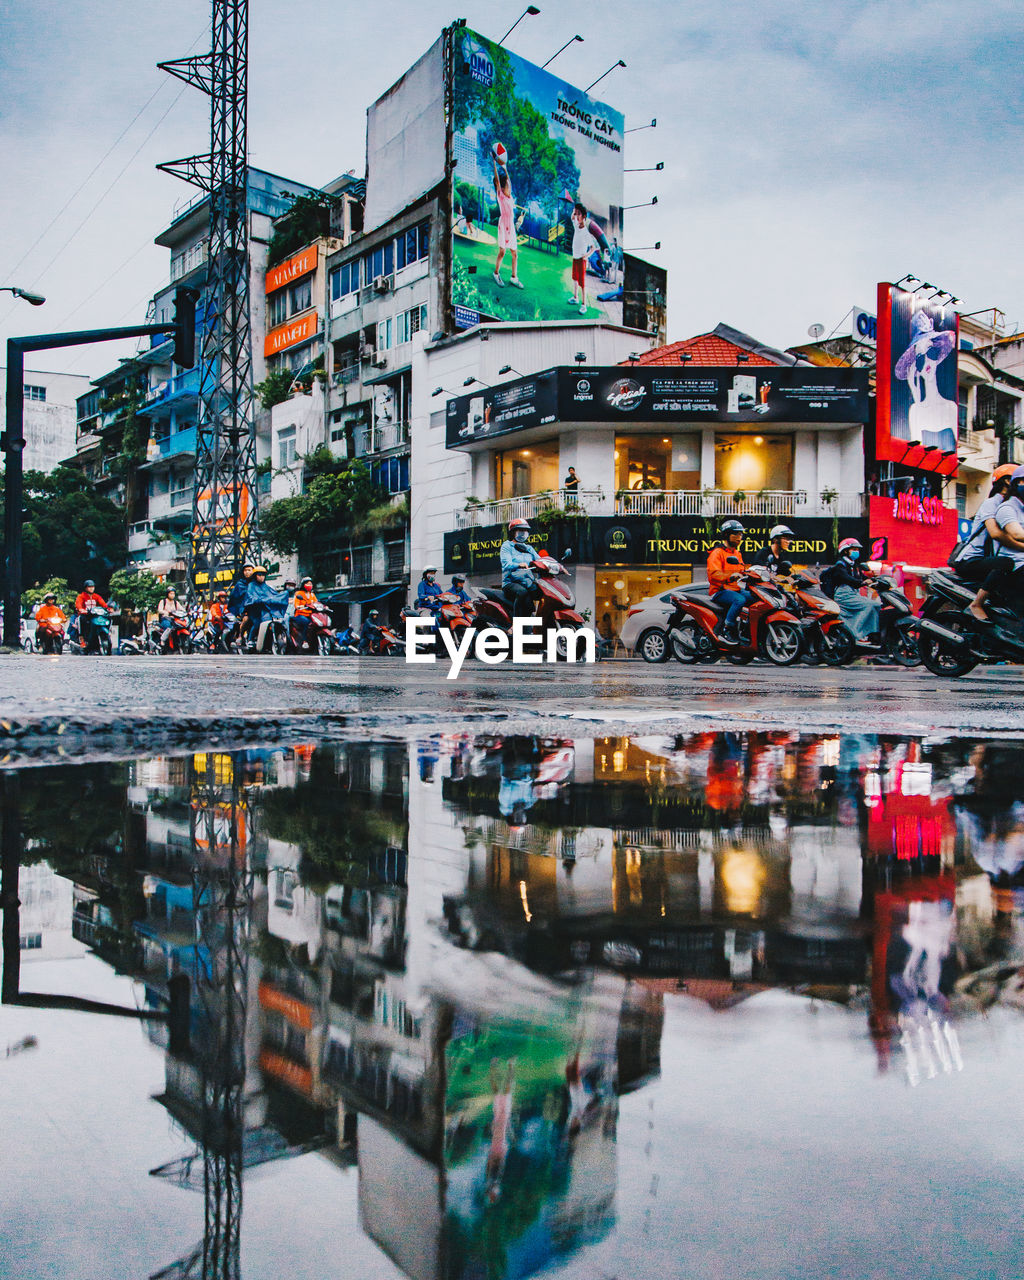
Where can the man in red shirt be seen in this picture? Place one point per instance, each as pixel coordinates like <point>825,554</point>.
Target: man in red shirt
<point>725,571</point>
<point>84,601</point>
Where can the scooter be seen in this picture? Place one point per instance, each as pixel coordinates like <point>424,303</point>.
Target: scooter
<point>49,638</point>
<point>555,606</point>
<point>177,638</point>
<point>346,642</point>
<point>92,634</point>
<point>448,611</point>
<point>270,635</point>
<point>896,627</point>
<point>952,642</point>
<point>767,628</point>
<point>826,637</point>
<point>319,638</point>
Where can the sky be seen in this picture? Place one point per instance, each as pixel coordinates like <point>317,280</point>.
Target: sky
<point>810,149</point>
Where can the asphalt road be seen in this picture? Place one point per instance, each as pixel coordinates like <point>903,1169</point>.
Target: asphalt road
<point>115,705</point>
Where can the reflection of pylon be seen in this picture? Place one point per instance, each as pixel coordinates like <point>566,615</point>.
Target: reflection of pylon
<point>224,498</point>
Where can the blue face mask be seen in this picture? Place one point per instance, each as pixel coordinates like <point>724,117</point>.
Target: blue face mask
<point>855,555</point>
<point>521,535</point>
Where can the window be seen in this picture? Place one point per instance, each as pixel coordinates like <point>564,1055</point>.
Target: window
<point>961,500</point>
<point>277,308</point>
<point>410,322</point>
<point>302,295</point>
<point>384,334</point>
<point>181,490</point>
<point>287,447</point>
<point>392,474</point>
<point>345,279</point>
<point>412,245</point>
<point>34,393</point>
<point>30,942</point>
<point>379,262</point>
<point>362,565</point>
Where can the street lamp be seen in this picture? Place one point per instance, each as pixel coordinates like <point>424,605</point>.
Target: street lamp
<point>562,50</point>
<point>33,299</point>
<point>530,10</point>
<point>637,127</point>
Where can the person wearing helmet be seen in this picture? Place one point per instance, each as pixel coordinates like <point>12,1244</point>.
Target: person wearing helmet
<point>776,551</point>
<point>236,599</point>
<point>1009,520</point>
<point>219,614</point>
<point>50,620</point>
<point>517,580</point>
<point>977,558</point>
<point>846,577</point>
<point>369,631</point>
<point>429,589</point>
<point>458,588</point>
<point>305,605</point>
<point>86,599</point>
<point>261,599</point>
<point>725,573</point>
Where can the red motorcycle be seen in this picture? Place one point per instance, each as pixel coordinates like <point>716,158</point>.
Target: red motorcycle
<point>555,606</point>
<point>767,629</point>
<point>826,636</point>
<point>454,615</point>
<point>319,637</point>
<point>49,637</point>
<point>177,638</point>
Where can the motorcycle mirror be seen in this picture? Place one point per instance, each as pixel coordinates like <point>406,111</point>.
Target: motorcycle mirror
<point>567,554</point>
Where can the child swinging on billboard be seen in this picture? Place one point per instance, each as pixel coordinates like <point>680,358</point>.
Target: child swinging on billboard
<point>508,241</point>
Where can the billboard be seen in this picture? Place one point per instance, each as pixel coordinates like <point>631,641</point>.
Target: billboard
<point>917,381</point>
<point>645,297</point>
<point>656,394</point>
<point>537,192</point>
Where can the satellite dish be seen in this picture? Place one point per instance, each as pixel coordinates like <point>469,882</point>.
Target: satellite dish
<point>815,331</point>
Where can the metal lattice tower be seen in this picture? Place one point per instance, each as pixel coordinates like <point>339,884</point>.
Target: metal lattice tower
<point>224,498</point>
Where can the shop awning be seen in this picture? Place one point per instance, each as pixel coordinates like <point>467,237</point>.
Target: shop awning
<point>361,595</point>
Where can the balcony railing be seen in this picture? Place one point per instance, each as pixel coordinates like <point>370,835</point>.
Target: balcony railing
<point>378,439</point>
<point>706,504</point>
<point>188,261</point>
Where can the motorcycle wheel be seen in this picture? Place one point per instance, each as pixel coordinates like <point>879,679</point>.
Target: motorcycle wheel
<point>278,643</point>
<point>838,648</point>
<point>561,646</point>
<point>941,658</point>
<point>185,645</point>
<point>783,643</point>
<point>904,649</point>
<point>324,646</point>
<point>653,645</point>
<point>103,645</point>
<point>689,644</point>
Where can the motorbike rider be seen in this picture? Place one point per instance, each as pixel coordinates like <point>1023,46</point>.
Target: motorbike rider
<point>775,553</point>
<point>861,615</point>
<point>517,580</point>
<point>305,604</point>
<point>369,631</point>
<point>49,614</point>
<point>1010,520</point>
<point>219,613</point>
<point>980,560</point>
<point>458,588</point>
<point>236,600</point>
<point>725,571</point>
<point>86,599</point>
<point>169,611</point>
<point>261,599</point>
<point>428,589</point>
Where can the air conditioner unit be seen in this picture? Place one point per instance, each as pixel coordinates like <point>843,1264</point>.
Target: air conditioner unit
<point>341,579</point>
<point>379,360</point>
<point>381,284</point>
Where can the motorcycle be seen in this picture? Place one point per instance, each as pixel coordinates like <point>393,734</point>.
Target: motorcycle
<point>386,643</point>
<point>952,642</point>
<point>319,638</point>
<point>92,634</point>
<point>271,634</point>
<point>49,638</point>
<point>449,612</point>
<point>346,642</point>
<point>896,627</point>
<point>177,638</point>
<point>555,606</point>
<point>767,628</point>
<point>826,637</point>
<point>214,638</point>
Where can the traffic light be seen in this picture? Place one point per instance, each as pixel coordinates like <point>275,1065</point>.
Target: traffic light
<point>185,327</point>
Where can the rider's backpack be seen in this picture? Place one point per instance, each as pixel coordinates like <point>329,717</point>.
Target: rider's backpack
<point>827,581</point>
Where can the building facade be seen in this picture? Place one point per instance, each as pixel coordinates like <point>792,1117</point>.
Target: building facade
<point>50,400</point>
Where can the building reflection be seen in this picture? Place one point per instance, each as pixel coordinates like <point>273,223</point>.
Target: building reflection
<point>444,963</point>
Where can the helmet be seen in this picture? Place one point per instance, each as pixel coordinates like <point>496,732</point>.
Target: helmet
<point>305,580</point>
<point>429,568</point>
<point>1017,474</point>
<point>513,525</point>
<point>289,582</point>
<point>222,595</point>
<point>458,577</point>
<point>374,613</point>
<point>850,544</point>
<point>259,568</point>
<point>50,595</point>
<point>1000,473</point>
<point>90,585</point>
<point>732,526</point>
<point>781,531</point>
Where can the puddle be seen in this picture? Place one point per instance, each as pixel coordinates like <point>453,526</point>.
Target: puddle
<point>480,1007</point>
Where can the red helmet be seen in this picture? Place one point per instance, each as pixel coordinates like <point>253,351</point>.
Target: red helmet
<point>513,525</point>
<point>850,544</point>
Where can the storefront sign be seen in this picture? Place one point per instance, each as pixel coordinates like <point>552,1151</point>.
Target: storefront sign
<point>865,326</point>
<point>908,506</point>
<point>918,532</point>
<point>660,395</point>
<point>301,264</point>
<point>291,334</point>
<point>646,541</point>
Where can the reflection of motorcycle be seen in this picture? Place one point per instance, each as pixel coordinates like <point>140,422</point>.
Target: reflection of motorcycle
<point>555,605</point>
<point>767,629</point>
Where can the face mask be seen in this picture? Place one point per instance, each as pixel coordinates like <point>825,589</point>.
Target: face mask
<point>854,555</point>
<point>521,535</point>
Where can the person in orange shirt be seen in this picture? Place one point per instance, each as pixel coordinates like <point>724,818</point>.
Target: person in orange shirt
<point>725,572</point>
<point>304,604</point>
<point>219,612</point>
<point>50,620</point>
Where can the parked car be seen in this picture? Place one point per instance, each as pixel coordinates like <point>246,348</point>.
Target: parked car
<point>645,630</point>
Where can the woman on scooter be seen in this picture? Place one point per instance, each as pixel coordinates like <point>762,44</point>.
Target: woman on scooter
<point>861,615</point>
<point>725,571</point>
<point>168,610</point>
<point>980,562</point>
<point>517,580</point>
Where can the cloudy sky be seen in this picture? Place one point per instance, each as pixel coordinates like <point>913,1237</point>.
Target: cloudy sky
<point>810,149</point>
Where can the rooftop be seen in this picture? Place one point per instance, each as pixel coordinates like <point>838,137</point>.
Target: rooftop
<point>722,346</point>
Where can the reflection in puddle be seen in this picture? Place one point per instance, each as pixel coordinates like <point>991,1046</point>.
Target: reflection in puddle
<point>447,966</point>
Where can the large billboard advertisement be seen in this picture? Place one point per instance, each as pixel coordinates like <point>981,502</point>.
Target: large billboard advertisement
<point>661,394</point>
<point>917,381</point>
<point>537,192</point>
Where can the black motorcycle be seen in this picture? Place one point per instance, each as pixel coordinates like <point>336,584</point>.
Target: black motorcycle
<point>952,642</point>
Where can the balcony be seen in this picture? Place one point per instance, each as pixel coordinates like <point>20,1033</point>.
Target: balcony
<point>706,504</point>
<point>191,260</point>
<point>165,394</point>
<point>175,445</point>
<point>381,438</point>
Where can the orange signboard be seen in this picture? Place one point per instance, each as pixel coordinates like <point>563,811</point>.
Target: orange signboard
<point>290,334</point>
<point>300,264</point>
<point>295,1010</point>
<point>291,1073</point>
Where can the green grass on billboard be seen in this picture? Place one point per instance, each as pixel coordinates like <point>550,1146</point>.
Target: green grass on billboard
<point>545,275</point>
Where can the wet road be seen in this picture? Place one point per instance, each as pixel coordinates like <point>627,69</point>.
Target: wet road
<point>119,697</point>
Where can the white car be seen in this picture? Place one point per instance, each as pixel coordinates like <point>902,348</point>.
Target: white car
<point>646,625</point>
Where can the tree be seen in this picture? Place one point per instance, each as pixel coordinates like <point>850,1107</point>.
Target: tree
<point>137,590</point>
<point>70,531</point>
<point>307,220</point>
<point>275,388</point>
<point>60,587</point>
<point>339,493</point>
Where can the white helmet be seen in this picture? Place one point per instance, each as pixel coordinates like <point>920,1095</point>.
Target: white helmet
<point>781,531</point>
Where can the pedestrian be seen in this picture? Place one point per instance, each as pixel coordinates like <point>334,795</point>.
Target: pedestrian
<point>572,482</point>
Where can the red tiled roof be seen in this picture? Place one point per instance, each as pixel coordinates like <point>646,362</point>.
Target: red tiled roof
<point>705,348</point>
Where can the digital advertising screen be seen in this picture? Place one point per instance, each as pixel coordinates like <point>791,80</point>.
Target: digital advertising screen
<point>917,381</point>
<point>537,192</point>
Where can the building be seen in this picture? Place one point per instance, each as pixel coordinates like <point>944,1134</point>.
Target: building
<point>665,443</point>
<point>50,400</point>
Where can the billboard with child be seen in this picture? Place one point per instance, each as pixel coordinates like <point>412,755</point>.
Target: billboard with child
<point>537,198</point>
